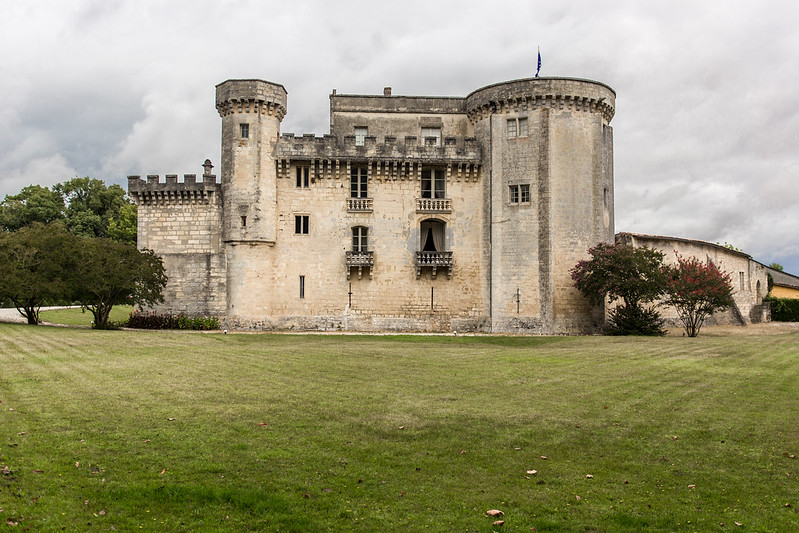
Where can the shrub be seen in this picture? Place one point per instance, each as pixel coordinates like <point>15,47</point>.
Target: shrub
<point>152,320</point>
<point>633,320</point>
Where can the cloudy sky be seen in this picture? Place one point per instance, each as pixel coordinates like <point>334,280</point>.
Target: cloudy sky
<point>707,114</point>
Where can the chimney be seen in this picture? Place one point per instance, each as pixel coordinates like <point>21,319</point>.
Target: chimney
<point>387,91</point>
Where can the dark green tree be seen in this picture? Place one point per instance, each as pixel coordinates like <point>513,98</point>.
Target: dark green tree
<point>34,203</point>
<point>776,266</point>
<point>37,265</point>
<point>634,276</point>
<point>110,273</point>
<point>90,205</point>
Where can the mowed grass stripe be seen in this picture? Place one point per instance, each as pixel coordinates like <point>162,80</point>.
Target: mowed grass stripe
<point>332,455</point>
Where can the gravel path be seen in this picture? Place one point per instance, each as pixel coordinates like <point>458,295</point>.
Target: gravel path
<point>12,315</point>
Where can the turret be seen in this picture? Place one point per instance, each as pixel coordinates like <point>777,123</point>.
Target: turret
<point>549,196</point>
<point>251,112</point>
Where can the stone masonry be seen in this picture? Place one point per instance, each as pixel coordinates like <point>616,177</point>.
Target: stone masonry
<point>412,214</point>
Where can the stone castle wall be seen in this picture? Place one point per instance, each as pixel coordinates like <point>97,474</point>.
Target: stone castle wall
<point>748,277</point>
<point>505,258</point>
<point>181,221</point>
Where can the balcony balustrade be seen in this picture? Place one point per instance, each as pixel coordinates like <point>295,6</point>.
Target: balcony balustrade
<point>433,205</point>
<point>434,260</point>
<point>360,260</point>
<point>360,205</point>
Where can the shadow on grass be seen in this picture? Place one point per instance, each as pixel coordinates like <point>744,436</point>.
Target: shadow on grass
<point>210,504</point>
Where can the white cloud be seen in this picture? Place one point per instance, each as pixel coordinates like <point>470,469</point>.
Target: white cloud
<point>707,112</point>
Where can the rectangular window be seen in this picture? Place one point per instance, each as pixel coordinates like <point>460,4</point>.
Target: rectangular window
<point>741,275</point>
<point>243,221</point>
<point>360,135</point>
<point>517,127</point>
<point>302,286</point>
<point>433,183</point>
<point>360,238</point>
<point>513,194</point>
<point>303,177</point>
<point>301,224</point>
<point>245,131</point>
<point>524,191</point>
<point>431,136</point>
<point>511,128</point>
<point>358,180</point>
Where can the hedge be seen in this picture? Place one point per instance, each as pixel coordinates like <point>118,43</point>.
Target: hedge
<point>784,309</point>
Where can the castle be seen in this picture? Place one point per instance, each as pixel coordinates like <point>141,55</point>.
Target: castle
<point>412,214</point>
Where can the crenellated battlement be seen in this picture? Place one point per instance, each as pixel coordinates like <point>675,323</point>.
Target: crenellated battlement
<point>409,148</point>
<point>153,191</point>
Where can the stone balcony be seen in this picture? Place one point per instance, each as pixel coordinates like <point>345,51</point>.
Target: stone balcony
<point>434,260</point>
<point>433,205</point>
<point>360,260</point>
<point>360,205</point>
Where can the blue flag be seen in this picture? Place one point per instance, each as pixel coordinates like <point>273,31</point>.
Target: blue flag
<point>539,63</point>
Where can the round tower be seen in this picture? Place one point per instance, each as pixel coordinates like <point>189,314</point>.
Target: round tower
<point>548,153</point>
<point>251,112</point>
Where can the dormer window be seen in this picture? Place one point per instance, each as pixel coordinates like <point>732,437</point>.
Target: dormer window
<point>431,136</point>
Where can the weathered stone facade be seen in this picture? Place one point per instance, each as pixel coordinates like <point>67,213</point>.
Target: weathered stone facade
<point>412,214</point>
<point>748,277</point>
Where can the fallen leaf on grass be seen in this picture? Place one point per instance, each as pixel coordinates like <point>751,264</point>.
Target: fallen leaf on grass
<point>38,471</point>
<point>262,424</point>
<point>738,524</point>
<point>463,451</point>
<point>10,522</point>
<point>692,486</point>
<point>544,457</point>
<point>499,523</point>
<point>6,471</point>
<point>532,472</point>
<point>77,464</point>
<point>674,437</point>
<point>401,427</point>
<point>162,472</point>
<point>589,476</point>
<point>494,512</point>
<point>22,433</point>
<point>102,512</point>
<point>170,419</point>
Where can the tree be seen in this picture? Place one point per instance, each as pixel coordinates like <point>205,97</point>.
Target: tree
<point>696,290</point>
<point>37,263</point>
<point>90,205</point>
<point>34,203</point>
<point>124,227</point>
<point>776,266</point>
<point>110,273</point>
<point>632,275</point>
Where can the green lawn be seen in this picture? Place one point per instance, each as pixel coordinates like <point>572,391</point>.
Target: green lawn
<point>79,317</point>
<point>177,431</point>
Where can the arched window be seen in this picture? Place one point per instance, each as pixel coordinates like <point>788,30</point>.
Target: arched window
<point>432,236</point>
